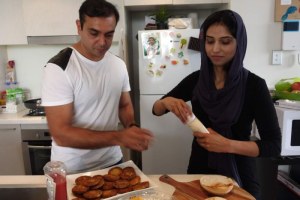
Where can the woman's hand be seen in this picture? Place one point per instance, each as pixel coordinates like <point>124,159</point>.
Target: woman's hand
<point>213,141</point>
<point>178,107</point>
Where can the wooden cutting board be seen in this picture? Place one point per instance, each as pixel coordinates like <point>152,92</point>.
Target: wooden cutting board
<point>193,190</point>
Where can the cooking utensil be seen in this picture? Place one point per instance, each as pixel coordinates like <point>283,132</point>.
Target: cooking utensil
<point>185,190</point>
<point>33,104</point>
<point>193,190</point>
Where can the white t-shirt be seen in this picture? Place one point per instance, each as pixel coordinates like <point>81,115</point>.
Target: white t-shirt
<point>95,89</point>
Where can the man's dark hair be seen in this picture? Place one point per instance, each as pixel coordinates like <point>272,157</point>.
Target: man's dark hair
<point>97,8</point>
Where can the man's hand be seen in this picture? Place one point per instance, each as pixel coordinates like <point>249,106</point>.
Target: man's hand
<point>136,138</point>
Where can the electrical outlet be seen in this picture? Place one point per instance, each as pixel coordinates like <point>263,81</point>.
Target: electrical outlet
<point>277,58</point>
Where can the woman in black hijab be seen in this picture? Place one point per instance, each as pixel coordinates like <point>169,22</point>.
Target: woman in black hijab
<point>227,98</point>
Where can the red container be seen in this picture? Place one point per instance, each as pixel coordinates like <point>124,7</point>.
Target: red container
<point>55,172</point>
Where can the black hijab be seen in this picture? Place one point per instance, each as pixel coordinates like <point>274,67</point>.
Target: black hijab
<point>223,106</point>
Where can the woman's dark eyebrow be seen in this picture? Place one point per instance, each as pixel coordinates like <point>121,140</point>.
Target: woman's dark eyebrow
<point>225,37</point>
<point>228,37</point>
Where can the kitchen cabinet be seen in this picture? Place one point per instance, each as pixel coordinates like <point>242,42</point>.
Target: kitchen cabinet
<point>58,18</point>
<point>11,150</point>
<point>171,2</point>
<point>147,2</point>
<point>12,23</point>
<point>186,2</point>
<point>50,17</point>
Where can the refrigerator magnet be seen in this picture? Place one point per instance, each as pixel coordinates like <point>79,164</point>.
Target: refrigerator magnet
<point>174,62</point>
<point>159,73</point>
<point>186,61</point>
<point>150,72</point>
<point>151,44</point>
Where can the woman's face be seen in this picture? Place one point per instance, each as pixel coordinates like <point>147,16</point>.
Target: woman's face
<point>220,45</point>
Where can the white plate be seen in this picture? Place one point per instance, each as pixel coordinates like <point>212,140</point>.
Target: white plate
<point>148,195</point>
<point>71,179</point>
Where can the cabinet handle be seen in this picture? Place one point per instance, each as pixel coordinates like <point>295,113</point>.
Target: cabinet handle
<point>8,129</point>
<point>39,147</point>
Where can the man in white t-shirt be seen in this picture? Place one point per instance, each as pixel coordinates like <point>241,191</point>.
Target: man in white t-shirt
<point>86,93</point>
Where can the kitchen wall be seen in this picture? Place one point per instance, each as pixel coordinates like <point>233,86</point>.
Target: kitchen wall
<point>264,35</point>
<point>3,59</point>
<point>30,60</point>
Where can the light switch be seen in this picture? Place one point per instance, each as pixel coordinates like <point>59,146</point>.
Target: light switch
<point>277,58</point>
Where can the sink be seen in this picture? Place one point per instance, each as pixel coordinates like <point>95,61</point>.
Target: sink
<point>23,193</point>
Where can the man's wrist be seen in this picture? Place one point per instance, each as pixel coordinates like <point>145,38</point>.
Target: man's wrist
<point>134,124</point>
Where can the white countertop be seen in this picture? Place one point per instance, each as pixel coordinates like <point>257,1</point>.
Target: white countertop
<point>40,181</point>
<point>21,118</point>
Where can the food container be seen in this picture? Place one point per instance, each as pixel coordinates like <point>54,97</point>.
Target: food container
<point>55,171</point>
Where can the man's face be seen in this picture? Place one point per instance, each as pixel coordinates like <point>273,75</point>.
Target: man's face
<point>96,36</point>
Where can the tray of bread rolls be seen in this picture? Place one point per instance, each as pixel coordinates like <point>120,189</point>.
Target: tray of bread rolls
<point>109,183</point>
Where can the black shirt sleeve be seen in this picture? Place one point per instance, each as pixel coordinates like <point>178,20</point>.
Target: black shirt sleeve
<point>267,122</point>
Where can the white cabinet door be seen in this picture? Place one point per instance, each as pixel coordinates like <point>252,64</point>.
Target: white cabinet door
<point>170,2</point>
<point>51,17</point>
<point>147,2</point>
<point>58,17</point>
<point>12,23</point>
<point>180,2</point>
<point>11,150</point>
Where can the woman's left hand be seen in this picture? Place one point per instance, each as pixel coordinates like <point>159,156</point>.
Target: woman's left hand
<point>213,141</point>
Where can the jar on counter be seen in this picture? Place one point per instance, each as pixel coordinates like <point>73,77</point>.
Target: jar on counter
<point>55,171</point>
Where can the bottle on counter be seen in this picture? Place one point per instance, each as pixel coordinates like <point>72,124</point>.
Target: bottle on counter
<point>194,123</point>
<point>55,171</point>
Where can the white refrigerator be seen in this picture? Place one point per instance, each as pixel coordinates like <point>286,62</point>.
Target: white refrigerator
<point>165,58</point>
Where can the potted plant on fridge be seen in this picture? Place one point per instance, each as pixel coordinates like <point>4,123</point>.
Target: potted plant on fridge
<point>161,18</point>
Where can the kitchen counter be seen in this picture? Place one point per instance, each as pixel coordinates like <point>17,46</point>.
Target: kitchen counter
<point>37,183</point>
<point>40,181</point>
<point>21,118</point>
